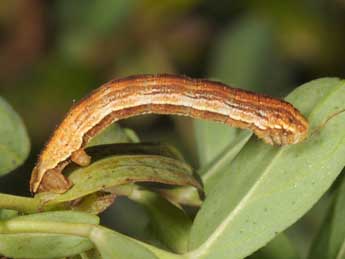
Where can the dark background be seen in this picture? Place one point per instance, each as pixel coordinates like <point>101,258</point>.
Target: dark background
<point>55,52</point>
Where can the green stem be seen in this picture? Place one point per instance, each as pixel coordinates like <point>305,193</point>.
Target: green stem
<point>185,195</point>
<point>28,226</point>
<point>84,255</point>
<point>18,203</point>
<point>89,231</point>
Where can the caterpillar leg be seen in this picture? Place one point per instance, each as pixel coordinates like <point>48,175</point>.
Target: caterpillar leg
<point>81,158</point>
<point>54,181</point>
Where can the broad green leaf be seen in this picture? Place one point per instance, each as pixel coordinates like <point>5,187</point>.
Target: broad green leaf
<point>171,224</point>
<point>214,170</point>
<point>123,169</point>
<point>113,245</point>
<point>279,247</point>
<point>330,243</point>
<point>267,188</point>
<point>320,247</point>
<point>14,140</point>
<point>45,245</point>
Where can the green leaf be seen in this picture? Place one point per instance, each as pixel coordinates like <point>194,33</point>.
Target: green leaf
<point>96,203</point>
<point>171,225</point>
<point>213,138</point>
<point>214,170</point>
<point>14,140</point>
<point>117,170</point>
<point>330,243</point>
<point>279,247</point>
<point>46,245</point>
<point>113,245</point>
<point>268,188</point>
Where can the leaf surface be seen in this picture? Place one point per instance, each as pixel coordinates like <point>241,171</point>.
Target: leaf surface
<point>279,247</point>
<point>330,243</point>
<point>112,245</point>
<point>14,140</point>
<point>170,224</point>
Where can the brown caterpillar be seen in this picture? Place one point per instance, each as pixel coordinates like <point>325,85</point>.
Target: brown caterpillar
<point>275,121</point>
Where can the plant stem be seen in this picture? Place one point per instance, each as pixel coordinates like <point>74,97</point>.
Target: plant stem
<point>185,195</point>
<point>29,226</point>
<point>18,203</point>
<point>89,231</point>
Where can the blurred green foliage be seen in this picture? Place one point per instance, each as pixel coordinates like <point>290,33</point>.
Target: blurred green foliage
<point>55,52</point>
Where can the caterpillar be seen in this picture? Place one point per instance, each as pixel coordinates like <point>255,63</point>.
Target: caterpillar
<point>274,121</point>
